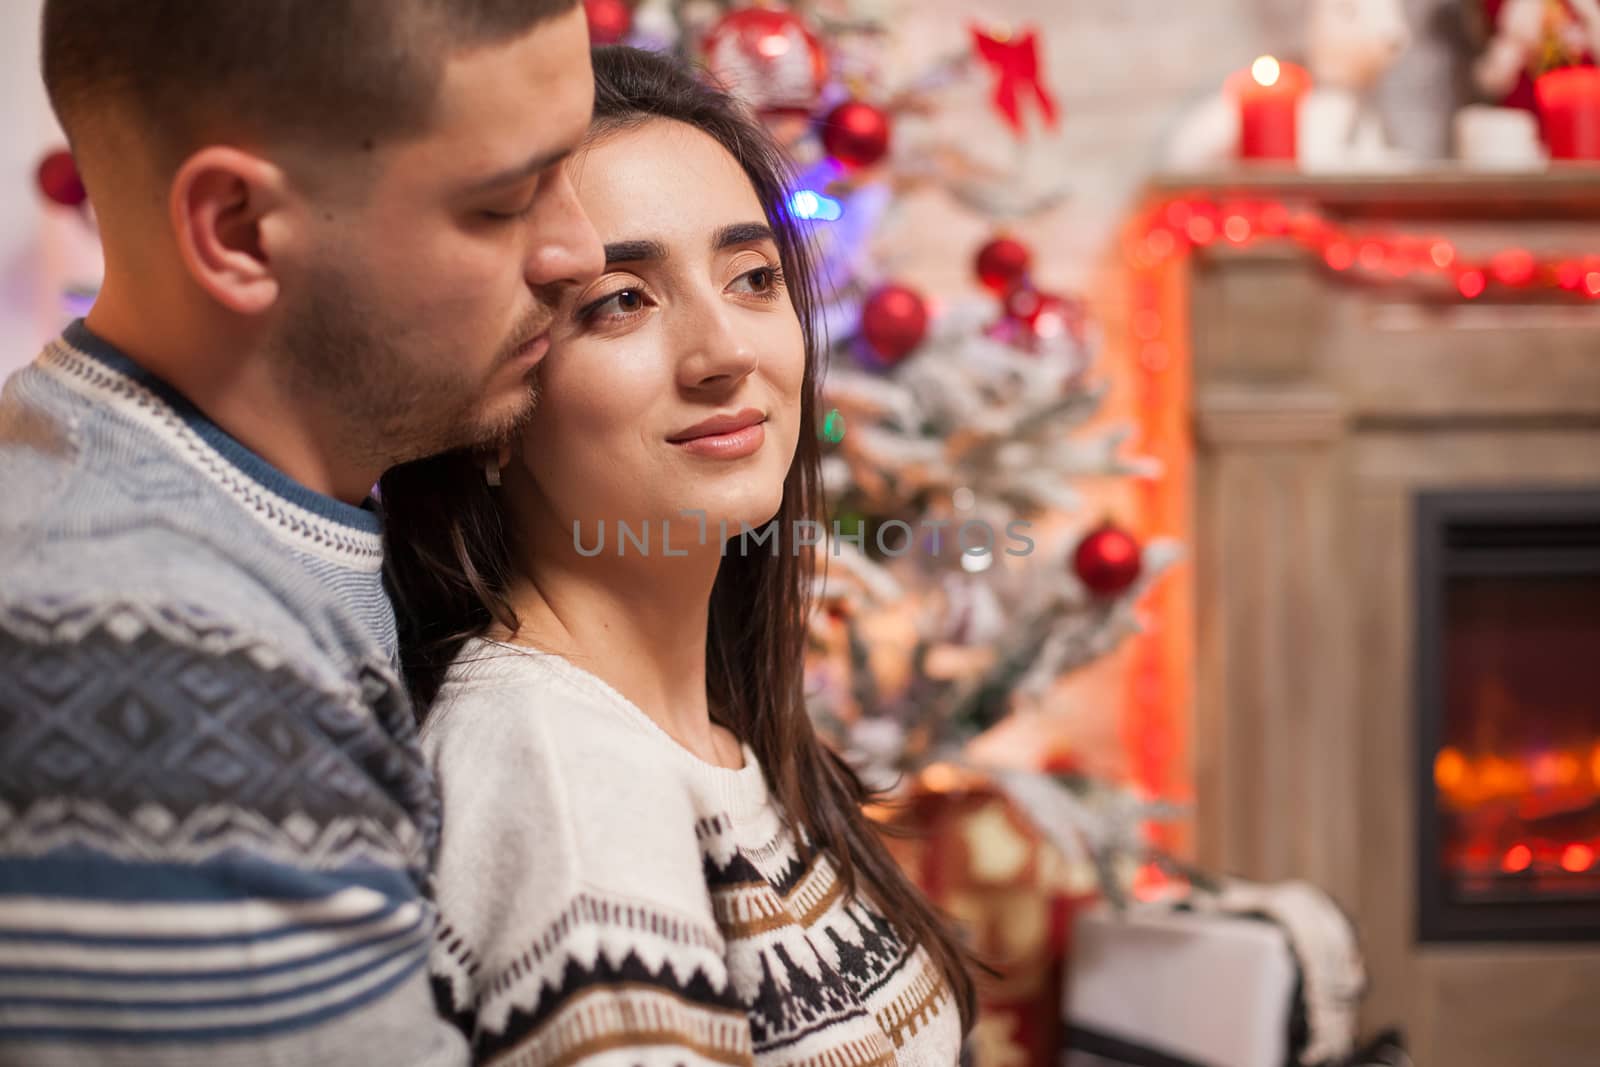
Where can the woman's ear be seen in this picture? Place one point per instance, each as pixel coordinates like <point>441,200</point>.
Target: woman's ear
<point>228,210</point>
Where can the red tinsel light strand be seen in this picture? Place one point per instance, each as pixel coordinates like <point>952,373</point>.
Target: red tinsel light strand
<point>1179,226</point>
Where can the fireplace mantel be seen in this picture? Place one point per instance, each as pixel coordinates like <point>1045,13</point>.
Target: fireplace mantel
<point>1565,192</point>
<point>1319,408</point>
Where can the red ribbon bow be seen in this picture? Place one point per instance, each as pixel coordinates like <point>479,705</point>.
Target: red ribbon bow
<point>1015,59</point>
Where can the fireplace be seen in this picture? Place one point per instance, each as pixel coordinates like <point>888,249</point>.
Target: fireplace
<point>1322,409</point>
<point>1508,696</point>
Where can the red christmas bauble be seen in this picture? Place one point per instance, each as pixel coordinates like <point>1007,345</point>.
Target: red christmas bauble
<point>894,321</point>
<point>768,57</point>
<point>609,20</point>
<point>1046,316</point>
<point>1057,317</point>
<point>1108,560</point>
<point>1003,264</point>
<point>856,134</point>
<point>1024,303</point>
<point>59,181</point>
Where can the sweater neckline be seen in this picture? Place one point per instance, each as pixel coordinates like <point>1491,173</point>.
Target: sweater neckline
<point>321,525</point>
<point>742,792</point>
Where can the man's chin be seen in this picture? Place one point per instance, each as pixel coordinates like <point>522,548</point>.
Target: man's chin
<point>504,418</point>
<point>488,425</point>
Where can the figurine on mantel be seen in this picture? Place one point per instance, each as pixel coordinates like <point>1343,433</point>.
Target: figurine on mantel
<point>1524,41</point>
<point>1350,45</point>
<point>1529,36</point>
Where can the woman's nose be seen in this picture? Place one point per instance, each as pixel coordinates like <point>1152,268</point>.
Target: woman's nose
<point>712,352</point>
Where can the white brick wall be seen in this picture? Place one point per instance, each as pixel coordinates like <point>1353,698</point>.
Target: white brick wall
<point>1125,71</point>
<point>34,240</point>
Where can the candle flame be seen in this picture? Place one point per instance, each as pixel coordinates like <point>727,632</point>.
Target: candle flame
<point>1266,71</point>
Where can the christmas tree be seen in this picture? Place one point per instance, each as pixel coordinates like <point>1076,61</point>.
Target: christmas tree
<point>964,573</point>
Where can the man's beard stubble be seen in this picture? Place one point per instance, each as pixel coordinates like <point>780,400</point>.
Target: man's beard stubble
<point>393,405</point>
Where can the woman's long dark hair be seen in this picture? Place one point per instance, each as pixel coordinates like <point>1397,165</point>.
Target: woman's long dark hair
<point>449,559</point>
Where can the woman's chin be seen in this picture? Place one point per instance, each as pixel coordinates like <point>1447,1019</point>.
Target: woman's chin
<point>738,515</point>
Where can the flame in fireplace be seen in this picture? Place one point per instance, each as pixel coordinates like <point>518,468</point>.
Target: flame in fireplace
<point>1467,782</point>
<point>1518,858</point>
<point>1539,812</point>
<point>1449,770</point>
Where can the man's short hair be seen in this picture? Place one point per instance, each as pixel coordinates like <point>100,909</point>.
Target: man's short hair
<point>335,72</point>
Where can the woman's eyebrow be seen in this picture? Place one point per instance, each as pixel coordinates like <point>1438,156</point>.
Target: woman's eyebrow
<point>634,251</point>
<point>742,233</point>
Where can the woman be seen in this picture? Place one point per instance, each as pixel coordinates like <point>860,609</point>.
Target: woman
<point>647,857</point>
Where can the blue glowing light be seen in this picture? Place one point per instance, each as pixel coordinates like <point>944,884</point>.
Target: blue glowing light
<point>815,207</point>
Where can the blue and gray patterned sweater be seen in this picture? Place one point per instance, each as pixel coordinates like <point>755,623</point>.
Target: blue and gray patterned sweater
<point>215,823</point>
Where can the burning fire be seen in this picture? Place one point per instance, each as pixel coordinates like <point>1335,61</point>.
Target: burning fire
<point>1469,783</point>
<point>1547,804</point>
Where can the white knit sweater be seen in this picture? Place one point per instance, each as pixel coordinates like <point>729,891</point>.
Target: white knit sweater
<point>608,897</point>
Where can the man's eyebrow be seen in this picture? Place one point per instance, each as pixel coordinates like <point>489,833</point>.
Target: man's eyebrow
<point>742,233</point>
<point>521,172</point>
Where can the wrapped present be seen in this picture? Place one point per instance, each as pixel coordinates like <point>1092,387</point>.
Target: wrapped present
<point>1012,894</point>
<point>1248,976</point>
<point>1179,989</point>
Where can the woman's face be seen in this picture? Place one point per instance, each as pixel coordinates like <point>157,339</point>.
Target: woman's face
<point>673,382</point>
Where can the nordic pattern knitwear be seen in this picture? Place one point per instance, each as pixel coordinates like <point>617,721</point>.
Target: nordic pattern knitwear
<point>215,820</point>
<point>607,897</point>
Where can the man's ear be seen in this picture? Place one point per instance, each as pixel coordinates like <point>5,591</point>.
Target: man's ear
<point>228,211</point>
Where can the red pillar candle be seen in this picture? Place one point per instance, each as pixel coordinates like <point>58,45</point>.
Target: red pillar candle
<point>1569,105</point>
<point>1268,95</point>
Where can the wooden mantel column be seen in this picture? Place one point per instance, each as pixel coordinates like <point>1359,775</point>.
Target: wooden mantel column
<point>1274,740</point>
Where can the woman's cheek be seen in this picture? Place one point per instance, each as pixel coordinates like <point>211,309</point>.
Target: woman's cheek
<point>789,370</point>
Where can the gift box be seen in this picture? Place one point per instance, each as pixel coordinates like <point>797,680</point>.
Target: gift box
<point>1241,975</point>
<point>1188,990</point>
<point>1013,896</point>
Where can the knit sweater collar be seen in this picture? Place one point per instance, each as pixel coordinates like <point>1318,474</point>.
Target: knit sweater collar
<point>310,520</point>
<point>740,793</point>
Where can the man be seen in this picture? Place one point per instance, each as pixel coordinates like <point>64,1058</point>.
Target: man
<point>334,232</point>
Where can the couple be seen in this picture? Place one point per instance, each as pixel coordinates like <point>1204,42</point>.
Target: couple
<point>348,240</point>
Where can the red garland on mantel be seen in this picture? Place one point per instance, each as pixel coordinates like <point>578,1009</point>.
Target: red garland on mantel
<point>1177,227</point>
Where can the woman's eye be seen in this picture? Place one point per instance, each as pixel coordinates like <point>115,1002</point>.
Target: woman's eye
<point>762,281</point>
<point>622,302</point>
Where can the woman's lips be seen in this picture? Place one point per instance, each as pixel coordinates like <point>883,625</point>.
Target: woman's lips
<point>733,444</point>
